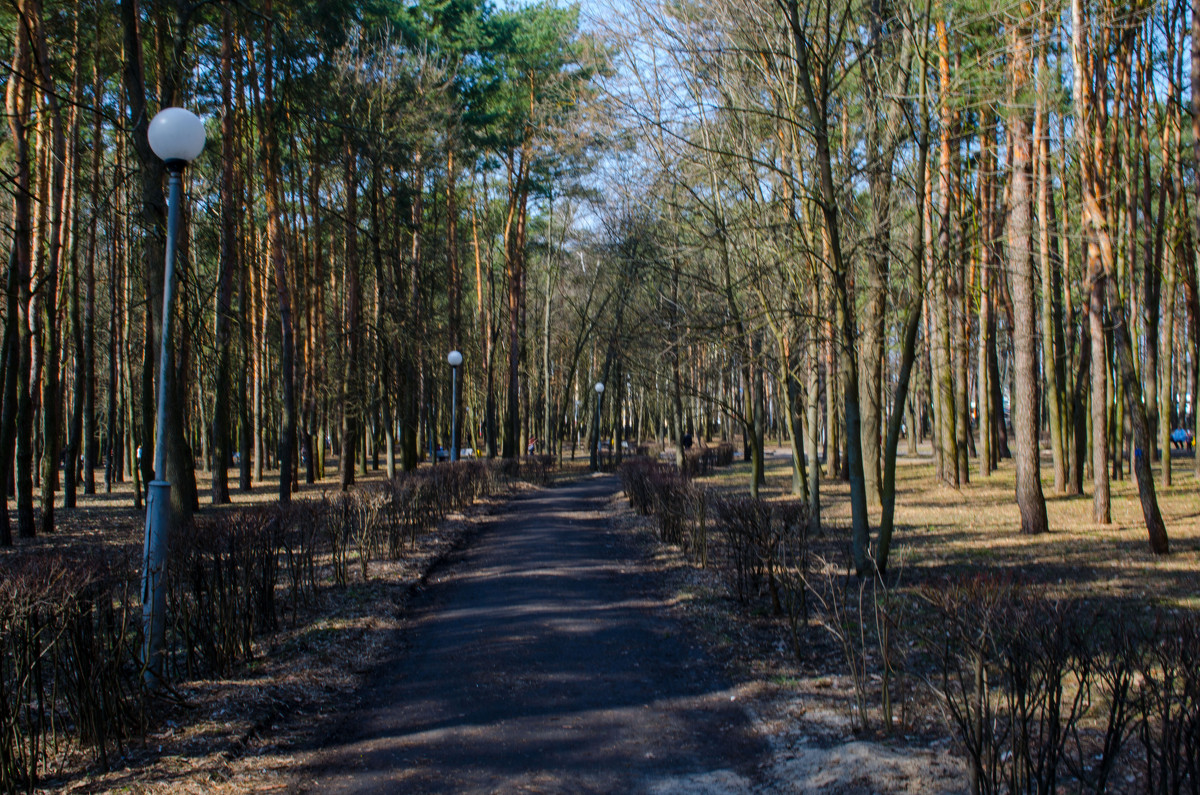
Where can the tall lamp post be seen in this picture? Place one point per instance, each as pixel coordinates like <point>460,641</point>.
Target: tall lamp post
<point>596,448</point>
<point>455,359</point>
<point>177,136</point>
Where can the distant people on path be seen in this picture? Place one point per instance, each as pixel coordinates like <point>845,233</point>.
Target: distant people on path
<point>687,441</point>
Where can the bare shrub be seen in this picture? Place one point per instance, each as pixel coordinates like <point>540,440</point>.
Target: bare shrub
<point>505,470</point>
<point>336,528</point>
<point>1168,704</point>
<point>537,468</point>
<point>415,501</point>
<point>366,506</point>
<point>302,523</point>
<point>723,455</point>
<point>1034,688</point>
<point>637,477</point>
<point>69,636</point>
<point>767,548</point>
<point>842,614</point>
<point>697,463</point>
<point>793,567</point>
<point>677,508</point>
<point>221,588</point>
<point>745,523</point>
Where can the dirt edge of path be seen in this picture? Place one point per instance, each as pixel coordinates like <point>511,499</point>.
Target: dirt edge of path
<point>802,715</point>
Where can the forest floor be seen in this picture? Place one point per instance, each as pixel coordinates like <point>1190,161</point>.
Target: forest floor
<point>803,702</point>
<point>251,731</point>
<point>238,733</point>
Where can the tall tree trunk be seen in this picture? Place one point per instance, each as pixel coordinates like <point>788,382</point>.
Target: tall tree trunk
<point>1087,107</point>
<point>908,352</point>
<point>1079,405</point>
<point>987,166</point>
<point>943,278</point>
<point>813,386</point>
<point>91,435</point>
<point>1053,356</point>
<point>71,466</point>
<point>279,263</point>
<point>351,398</point>
<point>815,101</point>
<point>154,214</point>
<point>1024,400</point>
<point>223,405</point>
<point>19,101</point>
<point>514,263</point>
<point>1167,392</point>
<point>59,210</point>
<point>411,404</point>
<point>8,415</point>
<point>1195,300</point>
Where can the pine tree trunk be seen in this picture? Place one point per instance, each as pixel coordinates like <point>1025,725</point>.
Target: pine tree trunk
<point>1024,400</point>
<point>223,400</point>
<point>279,263</point>
<point>351,381</point>
<point>812,437</point>
<point>19,100</point>
<point>1051,267</point>
<point>983,400</point>
<point>1195,102</point>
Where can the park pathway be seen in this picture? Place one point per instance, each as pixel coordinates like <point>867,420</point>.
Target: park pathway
<point>543,659</point>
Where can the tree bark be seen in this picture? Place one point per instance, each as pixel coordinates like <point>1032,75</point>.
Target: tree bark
<point>1053,356</point>
<point>1090,84</point>
<point>351,399</point>
<point>154,215</point>
<point>908,351</point>
<point>943,278</point>
<point>277,245</point>
<point>983,400</point>
<point>223,403</point>
<point>816,105</point>
<point>1195,70</point>
<point>19,101</point>
<point>1024,400</point>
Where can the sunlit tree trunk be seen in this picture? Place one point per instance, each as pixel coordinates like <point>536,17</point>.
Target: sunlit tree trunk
<point>1195,102</point>
<point>1086,105</point>
<point>983,400</point>
<point>1053,355</point>
<point>1024,401</point>
<point>944,369</point>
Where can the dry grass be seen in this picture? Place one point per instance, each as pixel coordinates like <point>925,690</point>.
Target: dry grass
<point>803,705</point>
<point>942,531</point>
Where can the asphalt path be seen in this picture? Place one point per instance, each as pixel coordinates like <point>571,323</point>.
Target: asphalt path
<point>543,658</point>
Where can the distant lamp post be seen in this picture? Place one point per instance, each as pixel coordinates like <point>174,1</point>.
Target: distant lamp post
<point>177,136</point>
<point>455,359</point>
<point>596,449</point>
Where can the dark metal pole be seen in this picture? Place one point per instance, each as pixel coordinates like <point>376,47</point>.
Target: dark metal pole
<point>596,442</point>
<point>454,414</point>
<point>158,496</point>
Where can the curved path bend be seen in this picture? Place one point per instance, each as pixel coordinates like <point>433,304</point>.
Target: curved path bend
<point>543,658</point>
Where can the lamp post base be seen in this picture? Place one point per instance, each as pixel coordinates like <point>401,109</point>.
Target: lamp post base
<point>154,583</point>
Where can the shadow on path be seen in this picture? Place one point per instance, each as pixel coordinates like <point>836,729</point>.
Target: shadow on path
<point>543,660</point>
